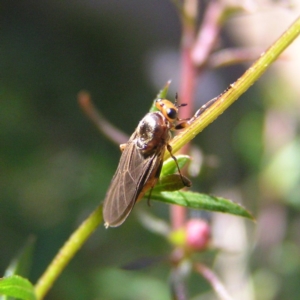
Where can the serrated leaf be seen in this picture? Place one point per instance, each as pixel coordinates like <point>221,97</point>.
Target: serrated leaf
<point>17,287</point>
<point>169,166</point>
<point>202,201</point>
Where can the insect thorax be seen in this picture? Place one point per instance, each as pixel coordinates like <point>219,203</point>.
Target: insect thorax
<point>152,133</point>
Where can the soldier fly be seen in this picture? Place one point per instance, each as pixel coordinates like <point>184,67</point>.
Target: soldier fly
<point>141,161</point>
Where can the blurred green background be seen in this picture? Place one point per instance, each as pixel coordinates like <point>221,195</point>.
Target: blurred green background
<point>56,167</point>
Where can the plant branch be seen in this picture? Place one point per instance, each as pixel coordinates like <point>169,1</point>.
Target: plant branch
<point>105,127</point>
<point>236,89</point>
<point>67,252</point>
<point>187,85</point>
<point>215,282</point>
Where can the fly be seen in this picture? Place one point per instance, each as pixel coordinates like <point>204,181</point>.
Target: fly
<point>141,161</point>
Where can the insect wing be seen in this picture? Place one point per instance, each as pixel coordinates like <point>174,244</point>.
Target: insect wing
<point>133,174</point>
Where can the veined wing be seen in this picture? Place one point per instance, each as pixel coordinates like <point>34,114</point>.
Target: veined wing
<point>134,172</point>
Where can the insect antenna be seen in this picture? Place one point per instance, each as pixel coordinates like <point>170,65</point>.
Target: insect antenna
<point>176,100</point>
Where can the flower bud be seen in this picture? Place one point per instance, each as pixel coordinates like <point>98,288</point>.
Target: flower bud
<point>197,234</point>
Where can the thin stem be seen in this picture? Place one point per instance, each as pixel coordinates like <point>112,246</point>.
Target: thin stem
<point>236,89</point>
<point>232,56</point>
<point>186,90</point>
<point>194,53</point>
<point>208,33</point>
<point>67,252</point>
<point>215,282</point>
<point>106,128</point>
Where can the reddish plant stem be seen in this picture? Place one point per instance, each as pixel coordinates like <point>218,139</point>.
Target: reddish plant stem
<point>194,53</point>
<point>186,95</point>
<point>212,278</point>
<point>104,126</point>
<point>208,33</point>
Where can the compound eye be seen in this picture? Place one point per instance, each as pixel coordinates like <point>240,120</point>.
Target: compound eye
<point>171,113</point>
<point>167,108</point>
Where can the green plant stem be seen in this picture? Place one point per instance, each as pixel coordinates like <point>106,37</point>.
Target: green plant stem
<point>237,88</point>
<point>67,252</point>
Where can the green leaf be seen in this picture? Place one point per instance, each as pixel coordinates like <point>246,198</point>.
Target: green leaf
<point>17,287</point>
<point>173,182</point>
<point>22,262</point>
<point>169,166</point>
<point>161,95</point>
<point>202,201</point>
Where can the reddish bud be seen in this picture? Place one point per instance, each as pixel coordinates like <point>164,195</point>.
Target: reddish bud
<point>197,234</point>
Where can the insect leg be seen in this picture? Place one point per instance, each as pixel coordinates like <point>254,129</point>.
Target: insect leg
<point>204,107</point>
<point>149,197</point>
<point>185,123</point>
<point>184,181</point>
<point>200,111</point>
